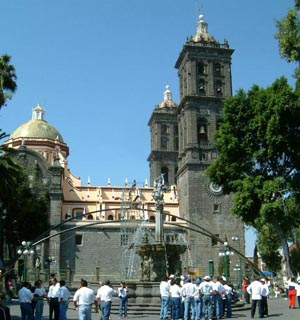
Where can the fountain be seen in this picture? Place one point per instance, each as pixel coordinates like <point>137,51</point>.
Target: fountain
<point>158,258</point>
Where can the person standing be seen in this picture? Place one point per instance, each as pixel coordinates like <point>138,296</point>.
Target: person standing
<point>175,293</point>
<point>206,292</point>
<point>219,292</point>
<point>264,297</point>
<point>123,299</point>
<point>64,296</point>
<point>164,289</point>
<point>245,284</point>
<point>197,310</point>
<point>104,296</point>
<point>39,294</point>
<point>84,298</point>
<point>255,289</point>
<point>228,298</point>
<point>188,291</point>
<point>25,299</point>
<point>292,293</point>
<point>53,299</point>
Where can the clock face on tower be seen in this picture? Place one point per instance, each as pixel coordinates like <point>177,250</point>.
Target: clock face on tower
<point>215,189</point>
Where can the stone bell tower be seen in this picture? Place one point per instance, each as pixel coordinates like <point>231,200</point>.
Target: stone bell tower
<point>204,70</point>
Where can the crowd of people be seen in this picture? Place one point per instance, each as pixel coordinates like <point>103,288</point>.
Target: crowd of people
<point>58,296</point>
<point>202,298</point>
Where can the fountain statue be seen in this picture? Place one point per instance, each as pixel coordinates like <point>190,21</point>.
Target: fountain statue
<point>154,255</point>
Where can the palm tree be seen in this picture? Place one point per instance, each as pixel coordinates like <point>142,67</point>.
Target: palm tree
<point>8,79</point>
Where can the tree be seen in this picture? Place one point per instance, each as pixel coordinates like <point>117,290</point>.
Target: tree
<point>8,79</point>
<point>26,212</point>
<point>259,158</point>
<point>268,244</point>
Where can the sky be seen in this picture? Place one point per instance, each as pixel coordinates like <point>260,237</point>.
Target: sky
<point>99,68</point>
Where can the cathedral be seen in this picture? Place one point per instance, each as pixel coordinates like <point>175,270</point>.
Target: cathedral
<point>95,229</point>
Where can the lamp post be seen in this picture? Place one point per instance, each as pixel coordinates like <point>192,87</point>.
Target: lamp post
<point>25,249</point>
<point>225,253</point>
<point>237,239</point>
<point>49,261</point>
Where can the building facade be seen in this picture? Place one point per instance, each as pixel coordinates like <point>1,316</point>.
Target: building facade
<point>95,229</point>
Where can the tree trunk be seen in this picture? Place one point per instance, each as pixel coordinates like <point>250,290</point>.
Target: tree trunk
<point>285,249</point>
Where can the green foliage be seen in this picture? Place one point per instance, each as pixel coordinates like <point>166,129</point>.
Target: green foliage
<point>268,244</point>
<point>295,260</point>
<point>26,212</point>
<point>9,171</point>
<point>7,79</point>
<point>259,156</point>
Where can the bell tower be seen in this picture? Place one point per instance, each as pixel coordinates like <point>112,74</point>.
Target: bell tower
<point>164,140</point>
<point>204,70</point>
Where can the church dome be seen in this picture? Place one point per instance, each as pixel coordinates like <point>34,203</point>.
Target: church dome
<point>168,101</point>
<point>37,127</point>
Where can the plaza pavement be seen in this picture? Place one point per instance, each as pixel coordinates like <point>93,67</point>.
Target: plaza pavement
<point>278,309</point>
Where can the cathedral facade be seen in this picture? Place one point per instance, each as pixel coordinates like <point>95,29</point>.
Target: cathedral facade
<point>94,229</point>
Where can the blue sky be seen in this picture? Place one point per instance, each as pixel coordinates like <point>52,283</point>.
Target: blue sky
<point>99,67</point>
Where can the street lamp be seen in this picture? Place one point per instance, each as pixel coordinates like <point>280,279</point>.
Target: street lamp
<point>237,239</point>
<point>49,261</point>
<point>225,252</point>
<point>25,249</point>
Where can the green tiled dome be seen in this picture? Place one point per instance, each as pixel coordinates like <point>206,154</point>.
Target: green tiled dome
<point>37,127</point>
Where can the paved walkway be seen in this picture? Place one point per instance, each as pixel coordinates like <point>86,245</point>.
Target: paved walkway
<point>278,309</point>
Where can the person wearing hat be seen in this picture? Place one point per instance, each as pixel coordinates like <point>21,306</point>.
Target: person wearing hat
<point>188,292</point>
<point>197,310</point>
<point>104,296</point>
<point>206,291</point>
<point>83,298</point>
<point>255,289</point>
<point>264,297</point>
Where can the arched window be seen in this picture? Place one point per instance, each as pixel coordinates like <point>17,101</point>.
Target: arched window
<point>173,219</point>
<point>165,172</point>
<point>217,69</point>
<point>152,218</point>
<point>90,217</point>
<point>201,87</point>
<point>201,68</point>
<point>202,131</point>
<point>164,142</point>
<point>219,88</point>
<point>110,217</point>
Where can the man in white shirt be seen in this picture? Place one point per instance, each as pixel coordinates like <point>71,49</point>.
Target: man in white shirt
<point>219,292</point>
<point>264,297</point>
<point>25,299</point>
<point>206,291</point>
<point>255,289</point>
<point>104,296</point>
<point>188,291</point>
<point>164,288</point>
<point>53,299</point>
<point>83,298</point>
<point>64,295</point>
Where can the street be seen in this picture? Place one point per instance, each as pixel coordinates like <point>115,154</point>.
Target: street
<point>278,309</point>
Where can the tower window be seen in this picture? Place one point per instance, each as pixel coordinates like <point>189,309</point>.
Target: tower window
<point>78,239</point>
<point>165,172</point>
<point>216,208</point>
<point>217,69</point>
<point>165,137</point>
<point>201,68</point>
<point>201,87</point>
<point>202,131</point>
<point>219,88</point>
